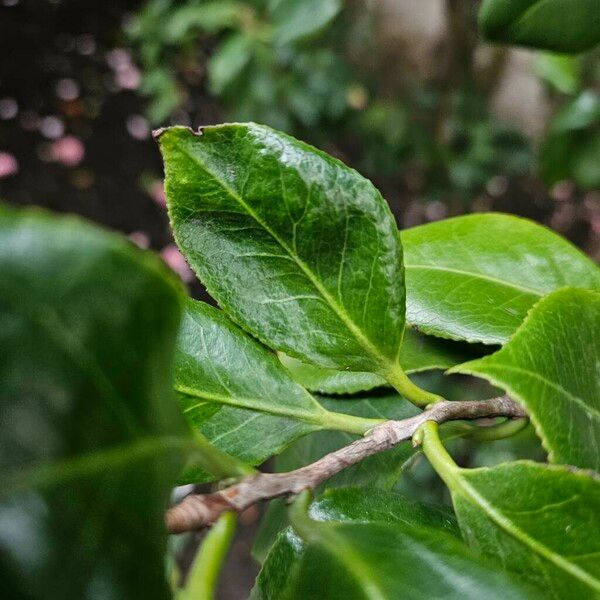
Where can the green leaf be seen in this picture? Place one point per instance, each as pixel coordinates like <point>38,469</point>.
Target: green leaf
<point>211,17</point>
<point>296,20</point>
<point>92,438</point>
<point>382,470</point>
<point>557,25</point>
<point>538,520</point>
<point>378,561</point>
<point>299,249</point>
<point>418,353</point>
<point>552,366</point>
<point>205,569</point>
<point>226,64</point>
<point>561,71</point>
<point>363,504</point>
<point>237,393</point>
<point>369,505</point>
<point>474,278</point>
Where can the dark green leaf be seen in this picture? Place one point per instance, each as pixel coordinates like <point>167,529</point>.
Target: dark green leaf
<point>418,353</point>
<point>541,521</point>
<point>236,392</point>
<point>558,25</point>
<point>379,561</point>
<point>373,505</point>
<point>552,366</point>
<point>91,434</point>
<point>295,246</point>
<point>474,278</point>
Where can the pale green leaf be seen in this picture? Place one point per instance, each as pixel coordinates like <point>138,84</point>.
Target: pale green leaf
<point>552,366</point>
<point>475,277</point>
<point>418,353</point>
<point>295,20</point>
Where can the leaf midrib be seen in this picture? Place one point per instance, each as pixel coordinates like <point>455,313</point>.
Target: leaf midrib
<point>253,404</point>
<point>463,487</point>
<point>341,313</point>
<point>476,275</point>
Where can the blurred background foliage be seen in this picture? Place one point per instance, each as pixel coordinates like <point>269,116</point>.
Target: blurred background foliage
<point>403,90</point>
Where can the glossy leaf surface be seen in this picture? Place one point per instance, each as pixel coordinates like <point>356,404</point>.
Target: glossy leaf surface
<point>559,25</point>
<point>237,393</point>
<point>295,246</point>
<point>552,366</point>
<point>474,278</point>
<point>538,520</point>
<point>379,561</point>
<point>417,353</point>
<point>92,437</point>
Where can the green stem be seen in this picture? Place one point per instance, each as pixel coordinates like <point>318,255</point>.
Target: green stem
<point>400,381</point>
<point>501,431</point>
<point>207,564</point>
<point>298,516</point>
<point>437,455</point>
<point>348,423</point>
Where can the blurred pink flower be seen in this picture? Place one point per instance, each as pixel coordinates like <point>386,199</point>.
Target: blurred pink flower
<point>157,191</point>
<point>171,255</point>
<point>140,239</point>
<point>68,151</point>
<point>8,165</point>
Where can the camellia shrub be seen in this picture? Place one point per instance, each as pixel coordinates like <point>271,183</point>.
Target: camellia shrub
<point>115,387</point>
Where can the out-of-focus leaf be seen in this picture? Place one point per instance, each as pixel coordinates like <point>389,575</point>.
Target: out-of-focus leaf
<point>295,20</point>
<point>92,437</point>
<point>561,71</point>
<point>228,61</point>
<point>210,17</point>
<point>379,561</point>
<point>556,25</point>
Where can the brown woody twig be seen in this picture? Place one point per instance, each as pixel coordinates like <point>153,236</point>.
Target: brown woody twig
<point>200,510</point>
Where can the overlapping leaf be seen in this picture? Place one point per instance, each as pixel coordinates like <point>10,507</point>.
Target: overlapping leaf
<point>475,277</point>
<point>91,434</point>
<point>237,393</point>
<point>559,25</point>
<point>552,366</point>
<point>386,558</point>
<point>417,353</point>
<point>538,520</point>
<point>299,249</point>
